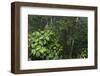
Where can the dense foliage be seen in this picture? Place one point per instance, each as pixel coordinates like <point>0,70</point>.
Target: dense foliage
<point>57,37</point>
<point>44,45</point>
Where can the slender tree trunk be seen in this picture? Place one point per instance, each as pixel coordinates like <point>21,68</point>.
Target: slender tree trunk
<point>47,23</point>
<point>71,50</point>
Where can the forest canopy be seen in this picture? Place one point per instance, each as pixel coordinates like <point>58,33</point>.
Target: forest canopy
<point>57,37</point>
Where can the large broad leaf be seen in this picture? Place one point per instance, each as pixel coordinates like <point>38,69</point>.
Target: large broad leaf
<point>37,40</point>
<point>43,50</point>
<point>32,45</point>
<point>33,34</point>
<point>37,33</point>
<point>38,48</point>
<point>33,52</point>
<point>47,38</point>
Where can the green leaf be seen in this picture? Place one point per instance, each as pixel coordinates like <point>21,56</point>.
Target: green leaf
<point>37,33</point>
<point>38,47</point>
<point>36,40</point>
<point>41,37</point>
<point>54,47</point>
<point>37,54</point>
<point>33,52</point>
<point>42,32</point>
<point>32,45</point>
<point>47,38</point>
<point>35,44</point>
<point>43,50</point>
<point>33,33</point>
<point>40,42</point>
<point>44,42</point>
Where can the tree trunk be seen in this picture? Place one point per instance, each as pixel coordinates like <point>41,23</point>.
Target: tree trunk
<point>71,50</point>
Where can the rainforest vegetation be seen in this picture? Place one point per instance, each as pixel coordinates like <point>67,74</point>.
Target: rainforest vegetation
<point>57,37</point>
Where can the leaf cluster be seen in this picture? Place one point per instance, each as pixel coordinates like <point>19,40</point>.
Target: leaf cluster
<point>44,45</point>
